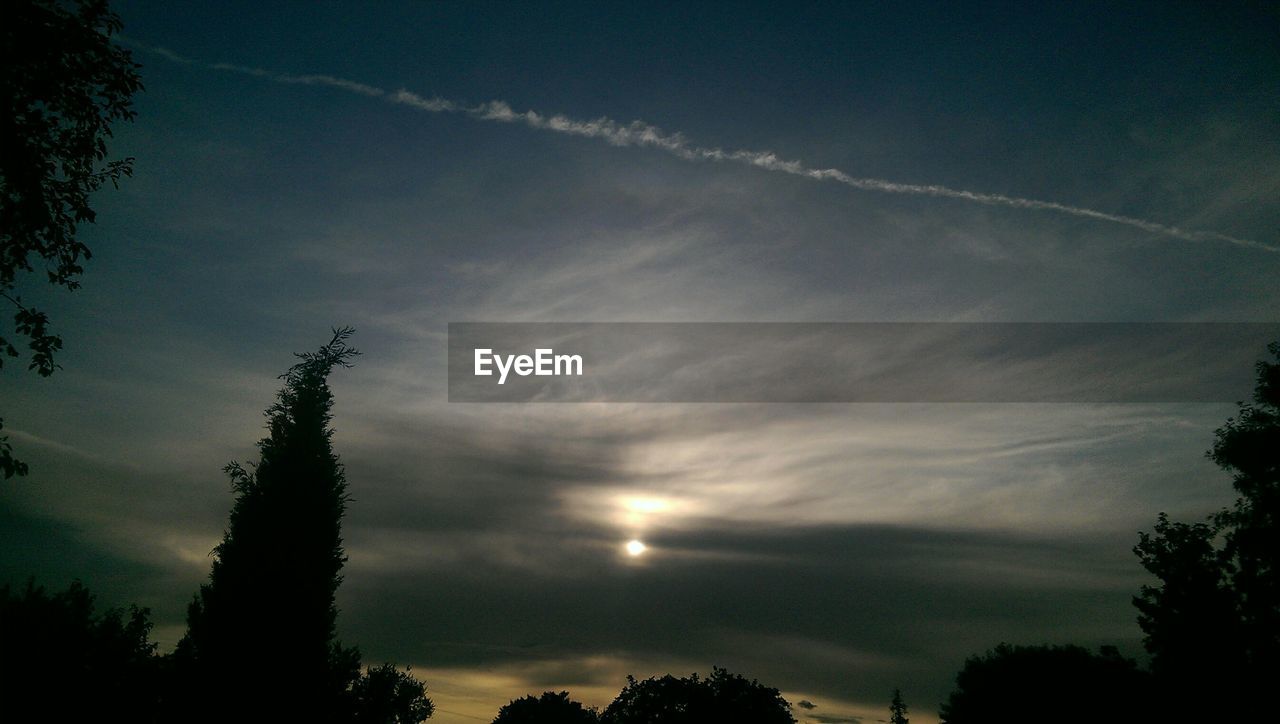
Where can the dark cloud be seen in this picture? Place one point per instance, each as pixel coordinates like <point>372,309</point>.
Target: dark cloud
<point>52,553</point>
<point>850,610</point>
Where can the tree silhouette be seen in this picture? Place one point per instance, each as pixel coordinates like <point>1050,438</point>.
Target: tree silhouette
<point>62,84</point>
<point>720,697</point>
<point>1212,624</point>
<point>550,708</point>
<point>386,695</point>
<point>270,596</point>
<point>1249,447</point>
<point>60,661</point>
<point>898,709</point>
<point>1049,685</point>
<point>1191,623</point>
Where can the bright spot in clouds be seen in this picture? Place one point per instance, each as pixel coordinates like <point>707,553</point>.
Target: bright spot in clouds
<point>646,505</point>
<point>635,548</point>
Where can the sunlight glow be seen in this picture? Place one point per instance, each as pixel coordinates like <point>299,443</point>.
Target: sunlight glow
<point>635,548</point>
<point>646,505</point>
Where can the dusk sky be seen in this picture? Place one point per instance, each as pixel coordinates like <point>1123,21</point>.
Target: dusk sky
<point>396,167</point>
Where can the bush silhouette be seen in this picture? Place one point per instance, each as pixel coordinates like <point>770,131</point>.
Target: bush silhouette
<point>1050,685</point>
<point>386,695</point>
<point>550,708</point>
<point>60,661</point>
<point>720,697</point>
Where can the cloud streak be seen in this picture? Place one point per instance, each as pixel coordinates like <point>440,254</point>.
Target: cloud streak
<point>640,134</point>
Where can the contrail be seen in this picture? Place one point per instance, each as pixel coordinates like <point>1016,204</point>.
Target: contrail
<point>638,133</point>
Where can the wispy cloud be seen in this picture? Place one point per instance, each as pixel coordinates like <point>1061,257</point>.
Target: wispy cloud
<point>641,134</point>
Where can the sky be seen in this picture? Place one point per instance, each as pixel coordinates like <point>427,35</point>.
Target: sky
<point>397,167</point>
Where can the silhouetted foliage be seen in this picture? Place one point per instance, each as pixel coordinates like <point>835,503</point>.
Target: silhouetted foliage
<point>1249,447</point>
<point>62,84</point>
<point>550,708</point>
<point>270,596</point>
<point>9,465</point>
<point>720,697</point>
<point>59,661</point>
<point>1212,624</point>
<point>1049,685</point>
<point>387,695</point>
<point>898,709</point>
<point>1191,622</point>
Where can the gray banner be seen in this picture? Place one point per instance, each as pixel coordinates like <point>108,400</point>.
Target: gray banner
<point>854,362</point>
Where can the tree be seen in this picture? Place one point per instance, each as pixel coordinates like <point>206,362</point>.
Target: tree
<point>1050,685</point>
<point>550,708</point>
<point>61,661</point>
<point>897,709</point>
<point>1248,446</point>
<point>1191,625</point>
<point>720,697</point>
<point>270,596</point>
<point>62,84</point>
<point>1212,624</point>
<point>387,695</point>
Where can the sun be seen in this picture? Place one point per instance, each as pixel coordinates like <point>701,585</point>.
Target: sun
<point>636,548</point>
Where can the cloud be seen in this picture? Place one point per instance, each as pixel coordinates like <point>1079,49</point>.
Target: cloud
<point>843,593</point>
<point>641,134</point>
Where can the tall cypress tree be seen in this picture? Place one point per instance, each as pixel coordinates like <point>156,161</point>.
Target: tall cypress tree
<point>261,640</point>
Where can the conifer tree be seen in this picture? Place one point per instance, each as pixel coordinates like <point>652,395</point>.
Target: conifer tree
<point>260,643</point>
<point>898,709</point>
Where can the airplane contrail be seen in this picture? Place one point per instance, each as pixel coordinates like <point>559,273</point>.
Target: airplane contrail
<point>639,133</point>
